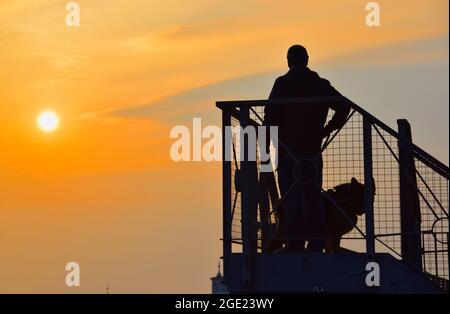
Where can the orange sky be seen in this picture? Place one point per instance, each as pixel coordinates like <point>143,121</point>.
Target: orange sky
<point>102,189</point>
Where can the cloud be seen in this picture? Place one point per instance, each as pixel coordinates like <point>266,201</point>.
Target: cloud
<point>63,59</point>
<point>200,100</point>
<point>412,51</point>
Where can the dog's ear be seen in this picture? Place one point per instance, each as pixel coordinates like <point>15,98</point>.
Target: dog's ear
<point>355,186</point>
<point>354,182</point>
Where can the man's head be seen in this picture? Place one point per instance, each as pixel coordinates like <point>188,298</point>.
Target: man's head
<point>297,56</point>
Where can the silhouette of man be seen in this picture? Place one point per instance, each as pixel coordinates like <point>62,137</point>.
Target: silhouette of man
<point>301,128</point>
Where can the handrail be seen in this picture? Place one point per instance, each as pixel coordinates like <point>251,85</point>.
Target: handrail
<point>419,153</point>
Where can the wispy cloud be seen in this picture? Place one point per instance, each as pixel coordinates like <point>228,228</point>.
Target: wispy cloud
<point>409,51</point>
<point>202,98</point>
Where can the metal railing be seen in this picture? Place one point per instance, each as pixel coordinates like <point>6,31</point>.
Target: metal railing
<point>409,215</point>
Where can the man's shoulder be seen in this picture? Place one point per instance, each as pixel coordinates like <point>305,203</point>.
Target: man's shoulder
<point>316,76</point>
<point>281,78</point>
<point>307,73</point>
<point>322,85</point>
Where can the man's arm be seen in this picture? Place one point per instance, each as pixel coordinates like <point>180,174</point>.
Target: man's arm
<point>341,110</point>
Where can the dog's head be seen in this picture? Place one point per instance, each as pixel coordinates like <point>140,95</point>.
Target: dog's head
<point>356,196</point>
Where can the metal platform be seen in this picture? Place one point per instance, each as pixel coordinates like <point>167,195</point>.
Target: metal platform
<point>325,273</point>
<point>405,230</point>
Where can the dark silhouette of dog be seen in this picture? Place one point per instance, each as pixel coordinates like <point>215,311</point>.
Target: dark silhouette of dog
<point>343,205</point>
<point>341,219</point>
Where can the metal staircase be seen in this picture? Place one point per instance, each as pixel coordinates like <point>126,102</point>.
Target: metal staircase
<point>405,230</point>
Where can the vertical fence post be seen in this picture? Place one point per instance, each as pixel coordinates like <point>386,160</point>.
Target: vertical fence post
<point>410,218</point>
<point>368,186</point>
<point>226,196</point>
<point>248,199</point>
<point>264,205</point>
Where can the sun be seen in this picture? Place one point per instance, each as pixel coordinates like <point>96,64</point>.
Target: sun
<point>48,121</point>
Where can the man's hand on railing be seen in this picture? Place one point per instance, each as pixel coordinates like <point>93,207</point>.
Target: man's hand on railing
<point>327,131</point>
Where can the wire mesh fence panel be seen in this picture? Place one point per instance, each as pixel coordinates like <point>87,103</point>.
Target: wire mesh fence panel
<point>343,160</point>
<point>433,189</point>
<point>387,196</point>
